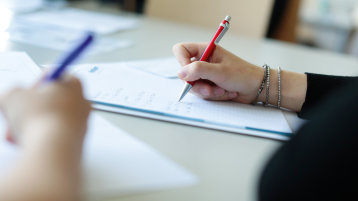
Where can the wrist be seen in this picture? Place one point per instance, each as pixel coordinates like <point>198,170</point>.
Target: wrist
<point>273,89</point>
<point>293,89</point>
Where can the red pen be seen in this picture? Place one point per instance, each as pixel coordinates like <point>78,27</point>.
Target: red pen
<point>224,26</point>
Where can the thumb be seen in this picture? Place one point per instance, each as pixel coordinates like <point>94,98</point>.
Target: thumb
<point>202,70</point>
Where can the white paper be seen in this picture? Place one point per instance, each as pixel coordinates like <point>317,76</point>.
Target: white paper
<point>17,70</point>
<point>114,163</point>
<point>81,20</point>
<point>118,87</point>
<point>117,164</point>
<point>164,67</point>
<point>20,6</point>
<point>59,38</point>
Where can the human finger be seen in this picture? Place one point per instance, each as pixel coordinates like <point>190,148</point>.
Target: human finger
<point>67,82</point>
<point>72,81</point>
<point>185,52</point>
<point>202,70</point>
<point>208,91</point>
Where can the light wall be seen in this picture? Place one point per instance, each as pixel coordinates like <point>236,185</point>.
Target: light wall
<point>249,17</point>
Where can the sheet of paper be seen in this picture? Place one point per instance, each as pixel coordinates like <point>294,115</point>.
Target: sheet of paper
<point>117,164</point>
<point>165,67</point>
<point>120,88</point>
<point>59,38</point>
<point>114,163</point>
<point>81,20</point>
<point>21,6</point>
<point>17,70</point>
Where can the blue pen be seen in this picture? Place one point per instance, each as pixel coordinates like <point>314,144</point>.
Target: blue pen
<point>69,58</point>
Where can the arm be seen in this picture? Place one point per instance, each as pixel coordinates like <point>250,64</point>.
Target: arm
<point>228,77</point>
<point>48,123</point>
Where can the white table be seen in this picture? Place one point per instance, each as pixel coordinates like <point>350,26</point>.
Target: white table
<point>228,165</point>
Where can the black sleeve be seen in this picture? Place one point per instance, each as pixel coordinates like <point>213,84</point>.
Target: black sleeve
<point>320,161</point>
<point>318,88</point>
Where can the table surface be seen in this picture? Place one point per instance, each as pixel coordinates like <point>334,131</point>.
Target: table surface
<point>228,165</point>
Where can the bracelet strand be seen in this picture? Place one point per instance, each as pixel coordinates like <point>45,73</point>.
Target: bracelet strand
<point>267,86</point>
<point>279,88</point>
<point>262,84</point>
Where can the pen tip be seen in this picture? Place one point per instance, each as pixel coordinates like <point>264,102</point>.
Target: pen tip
<point>181,97</point>
<point>186,89</point>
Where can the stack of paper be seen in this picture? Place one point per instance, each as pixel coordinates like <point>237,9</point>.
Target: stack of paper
<point>81,20</point>
<point>60,29</point>
<point>21,6</point>
<point>59,38</point>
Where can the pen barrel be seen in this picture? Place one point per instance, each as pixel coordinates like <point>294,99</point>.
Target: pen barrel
<point>69,58</point>
<point>211,47</point>
<point>208,51</point>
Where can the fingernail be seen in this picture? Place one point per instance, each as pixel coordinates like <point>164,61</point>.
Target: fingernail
<point>181,74</point>
<point>232,94</point>
<point>219,92</point>
<point>204,92</point>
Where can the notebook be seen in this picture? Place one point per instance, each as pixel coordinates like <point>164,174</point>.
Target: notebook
<point>119,87</point>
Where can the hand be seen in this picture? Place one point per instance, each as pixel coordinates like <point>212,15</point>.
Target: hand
<point>53,110</point>
<point>228,77</point>
<point>224,77</point>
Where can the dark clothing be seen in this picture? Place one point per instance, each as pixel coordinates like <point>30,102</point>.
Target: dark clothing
<point>320,87</point>
<point>320,162</point>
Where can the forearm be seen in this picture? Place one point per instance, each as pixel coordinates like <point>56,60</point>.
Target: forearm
<point>47,170</point>
<point>293,89</point>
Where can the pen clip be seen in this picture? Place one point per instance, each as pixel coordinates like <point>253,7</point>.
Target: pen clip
<point>226,27</point>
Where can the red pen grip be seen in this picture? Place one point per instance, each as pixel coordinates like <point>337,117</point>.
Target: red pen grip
<point>210,48</point>
<point>191,83</point>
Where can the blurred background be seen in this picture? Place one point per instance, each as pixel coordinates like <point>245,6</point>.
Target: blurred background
<point>325,24</point>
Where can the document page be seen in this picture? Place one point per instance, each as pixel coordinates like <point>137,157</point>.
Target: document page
<point>118,87</point>
<point>114,163</point>
<point>81,20</point>
<point>17,70</point>
<point>164,67</point>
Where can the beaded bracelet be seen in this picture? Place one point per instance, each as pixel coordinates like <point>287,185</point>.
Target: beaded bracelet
<point>279,88</point>
<point>267,85</point>
<point>262,84</point>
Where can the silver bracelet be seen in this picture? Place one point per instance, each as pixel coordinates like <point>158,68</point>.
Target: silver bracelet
<point>267,86</point>
<point>262,84</point>
<point>279,88</point>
